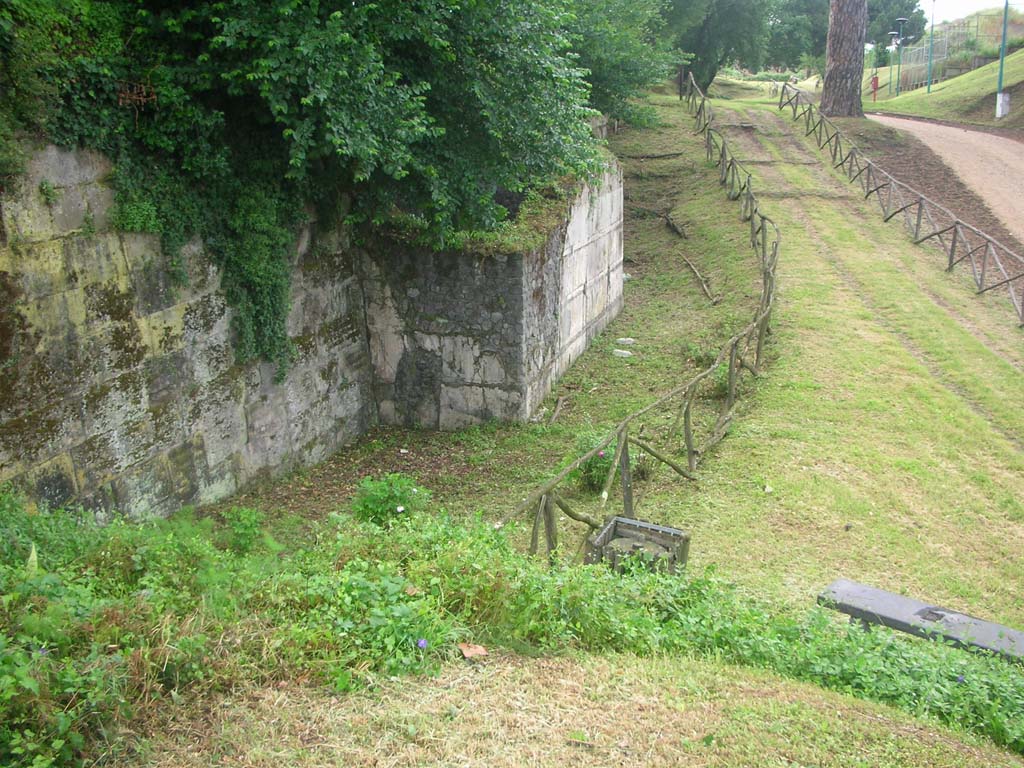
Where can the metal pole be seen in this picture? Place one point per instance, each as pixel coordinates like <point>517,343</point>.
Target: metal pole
<point>892,41</point>
<point>1002,100</point>
<point>899,51</point>
<point>931,48</point>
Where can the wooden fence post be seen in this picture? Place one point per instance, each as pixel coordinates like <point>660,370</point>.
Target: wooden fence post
<point>691,453</point>
<point>627,478</point>
<point>550,529</point>
<point>730,397</point>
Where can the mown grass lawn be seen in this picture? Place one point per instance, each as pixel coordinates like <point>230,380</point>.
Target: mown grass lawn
<point>969,98</point>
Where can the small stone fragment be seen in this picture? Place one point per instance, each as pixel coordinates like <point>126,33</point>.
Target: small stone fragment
<point>625,341</point>
<point>622,353</point>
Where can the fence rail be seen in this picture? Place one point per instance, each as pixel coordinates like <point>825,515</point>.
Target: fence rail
<point>993,265</point>
<point>743,353</point>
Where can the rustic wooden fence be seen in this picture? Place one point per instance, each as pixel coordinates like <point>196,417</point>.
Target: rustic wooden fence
<point>743,353</point>
<point>992,264</point>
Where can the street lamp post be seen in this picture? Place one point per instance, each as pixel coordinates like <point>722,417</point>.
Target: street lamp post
<point>931,47</point>
<point>893,36</point>
<point>1002,99</point>
<point>899,52</point>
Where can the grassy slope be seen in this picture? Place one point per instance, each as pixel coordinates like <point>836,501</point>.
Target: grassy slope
<point>879,447</point>
<point>969,98</point>
<point>870,451</point>
<point>569,711</point>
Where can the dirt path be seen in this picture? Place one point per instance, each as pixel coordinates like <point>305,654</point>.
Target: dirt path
<point>992,166</point>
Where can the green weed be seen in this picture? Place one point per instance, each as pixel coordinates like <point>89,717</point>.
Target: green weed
<point>389,498</point>
<point>49,193</point>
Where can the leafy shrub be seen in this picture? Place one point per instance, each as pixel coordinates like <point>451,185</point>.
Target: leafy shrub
<point>592,473</point>
<point>49,193</point>
<point>720,381</point>
<point>701,356</point>
<point>394,495</point>
<point>246,528</point>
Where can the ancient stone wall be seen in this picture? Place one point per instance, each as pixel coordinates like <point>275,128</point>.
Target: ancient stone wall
<point>457,339</point>
<point>572,293</point>
<point>120,389</point>
<point>445,336</point>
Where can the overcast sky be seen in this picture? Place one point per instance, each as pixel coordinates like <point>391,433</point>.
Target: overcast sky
<point>949,10</point>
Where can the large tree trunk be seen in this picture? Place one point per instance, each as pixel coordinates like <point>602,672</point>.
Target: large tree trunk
<point>844,65</point>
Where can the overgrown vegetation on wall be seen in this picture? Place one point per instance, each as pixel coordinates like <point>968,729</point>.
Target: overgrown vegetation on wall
<point>101,625</point>
<point>226,119</point>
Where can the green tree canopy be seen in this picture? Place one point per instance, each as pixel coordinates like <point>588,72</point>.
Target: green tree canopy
<point>717,32</point>
<point>797,29</point>
<point>882,15</point>
<point>622,46</point>
<point>226,117</point>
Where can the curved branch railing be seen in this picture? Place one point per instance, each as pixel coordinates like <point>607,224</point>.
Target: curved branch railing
<point>993,265</point>
<point>744,352</point>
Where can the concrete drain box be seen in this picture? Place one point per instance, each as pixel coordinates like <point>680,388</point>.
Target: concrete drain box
<point>657,546</point>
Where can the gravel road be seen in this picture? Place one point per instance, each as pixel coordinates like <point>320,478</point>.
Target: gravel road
<point>990,165</point>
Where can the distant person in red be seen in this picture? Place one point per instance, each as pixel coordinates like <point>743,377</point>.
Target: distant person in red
<point>874,87</point>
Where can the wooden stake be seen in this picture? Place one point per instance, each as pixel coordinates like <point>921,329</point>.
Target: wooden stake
<point>579,517</point>
<point>550,529</point>
<point>662,458</point>
<point>535,535</point>
<point>606,489</point>
<point>627,478</point>
<point>558,410</point>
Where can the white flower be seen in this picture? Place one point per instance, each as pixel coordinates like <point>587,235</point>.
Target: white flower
<point>400,508</point>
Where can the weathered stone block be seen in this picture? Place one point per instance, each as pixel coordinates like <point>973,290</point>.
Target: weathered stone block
<point>66,168</point>
<point>155,486</point>
<point>102,458</point>
<point>69,211</point>
<point>41,270</point>
<point>26,218</point>
<point>99,202</point>
<point>151,273</point>
<point>268,436</point>
<point>36,436</point>
<point>108,404</point>
<point>98,259</point>
<point>51,482</point>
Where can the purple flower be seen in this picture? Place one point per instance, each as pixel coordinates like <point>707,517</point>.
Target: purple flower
<point>421,643</point>
<point>959,678</point>
<point>600,454</point>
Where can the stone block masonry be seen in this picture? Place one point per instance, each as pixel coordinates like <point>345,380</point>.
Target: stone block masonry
<point>120,390</point>
<point>458,339</point>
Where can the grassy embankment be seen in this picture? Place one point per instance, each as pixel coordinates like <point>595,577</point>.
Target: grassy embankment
<point>969,98</point>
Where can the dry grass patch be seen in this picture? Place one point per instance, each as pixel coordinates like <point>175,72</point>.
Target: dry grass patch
<point>587,711</point>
